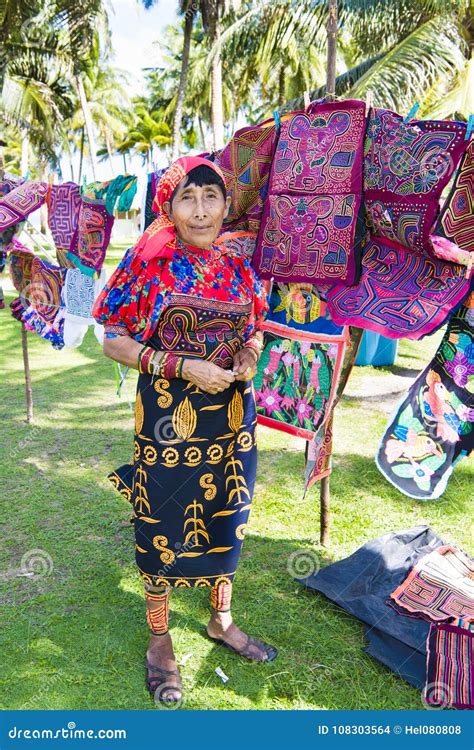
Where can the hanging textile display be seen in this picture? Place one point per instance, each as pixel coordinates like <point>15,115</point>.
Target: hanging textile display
<point>92,236</point>
<point>310,229</point>
<point>297,378</point>
<point>406,167</point>
<point>433,427</point>
<point>95,221</point>
<point>301,306</point>
<point>20,202</point>
<point>64,202</point>
<point>400,294</point>
<point>21,258</point>
<point>450,665</point>
<point>78,296</point>
<point>41,302</point>
<point>453,237</point>
<point>245,163</point>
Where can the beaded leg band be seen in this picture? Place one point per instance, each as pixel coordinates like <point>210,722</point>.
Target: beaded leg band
<point>157,610</point>
<point>221,595</point>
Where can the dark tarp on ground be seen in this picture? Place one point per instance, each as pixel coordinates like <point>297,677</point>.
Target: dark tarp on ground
<point>361,585</point>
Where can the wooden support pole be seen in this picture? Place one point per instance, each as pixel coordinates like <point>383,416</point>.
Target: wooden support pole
<point>324,492</point>
<point>332,50</point>
<point>26,366</point>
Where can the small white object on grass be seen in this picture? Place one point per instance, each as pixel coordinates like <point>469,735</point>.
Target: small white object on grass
<point>184,659</point>
<point>221,674</point>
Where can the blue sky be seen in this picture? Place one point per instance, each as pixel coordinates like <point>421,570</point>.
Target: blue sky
<point>134,31</point>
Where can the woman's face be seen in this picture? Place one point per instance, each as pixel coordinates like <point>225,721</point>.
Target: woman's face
<point>197,213</point>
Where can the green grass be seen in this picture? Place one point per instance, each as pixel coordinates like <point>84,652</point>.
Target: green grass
<point>75,638</point>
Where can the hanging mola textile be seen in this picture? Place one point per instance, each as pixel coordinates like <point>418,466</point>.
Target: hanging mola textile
<point>41,302</point>
<point>95,221</point>
<point>20,202</point>
<point>311,226</point>
<point>406,167</point>
<point>401,294</point>
<point>453,237</point>
<point>64,203</point>
<point>245,163</point>
<point>78,296</point>
<point>433,427</point>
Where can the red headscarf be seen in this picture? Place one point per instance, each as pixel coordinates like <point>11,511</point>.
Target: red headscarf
<point>159,240</point>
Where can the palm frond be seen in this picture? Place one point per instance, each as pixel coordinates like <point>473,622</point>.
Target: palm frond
<point>401,76</point>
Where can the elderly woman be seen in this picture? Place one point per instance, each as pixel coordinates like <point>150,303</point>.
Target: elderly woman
<point>184,307</point>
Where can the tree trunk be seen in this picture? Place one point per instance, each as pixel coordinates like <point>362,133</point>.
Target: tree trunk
<point>125,168</point>
<point>81,156</point>
<point>108,144</point>
<point>217,116</point>
<point>332,50</point>
<point>201,131</point>
<point>178,114</point>
<point>281,86</point>
<point>88,125</point>
<point>25,153</point>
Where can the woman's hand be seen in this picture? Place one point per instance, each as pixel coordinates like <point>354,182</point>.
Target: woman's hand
<point>245,364</point>
<point>207,376</point>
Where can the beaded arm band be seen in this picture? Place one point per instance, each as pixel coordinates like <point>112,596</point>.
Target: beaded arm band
<point>255,343</point>
<point>166,365</point>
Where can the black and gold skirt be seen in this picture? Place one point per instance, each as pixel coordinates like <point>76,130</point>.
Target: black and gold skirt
<point>193,474</point>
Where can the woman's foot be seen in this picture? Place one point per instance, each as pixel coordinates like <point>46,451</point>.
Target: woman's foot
<point>222,629</point>
<point>163,678</point>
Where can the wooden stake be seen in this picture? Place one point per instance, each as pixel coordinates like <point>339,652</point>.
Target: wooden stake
<point>26,367</point>
<point>324,493</point>
<point>325,513</point>
<point>332,51</point>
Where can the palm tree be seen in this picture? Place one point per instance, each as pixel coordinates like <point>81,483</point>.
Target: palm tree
<point>399,50</point>
<point>145,134</point>
<point>212,14</point>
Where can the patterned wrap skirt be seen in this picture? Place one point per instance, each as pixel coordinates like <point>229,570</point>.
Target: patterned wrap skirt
<point>193,475</point>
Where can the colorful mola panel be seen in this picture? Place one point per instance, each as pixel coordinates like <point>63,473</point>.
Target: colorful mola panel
<point>456,221</point>
<point>408,164</point>
<point>92,237</point>
<point>404,221</point>
<point>245,162</point>
<point>44,290</point>
<point>311,228</point>
<point>64,202</point>
<point>400,294</point>
<point>450,665</point>
<point>433,427</point>
<point>20,202</point>
<point>297,379</point>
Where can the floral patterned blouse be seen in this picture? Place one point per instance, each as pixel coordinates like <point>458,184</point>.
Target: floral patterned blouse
<point>131,304</point>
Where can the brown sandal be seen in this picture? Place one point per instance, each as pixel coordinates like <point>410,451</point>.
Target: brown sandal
<point>252,649</point>
<point>159,686</point>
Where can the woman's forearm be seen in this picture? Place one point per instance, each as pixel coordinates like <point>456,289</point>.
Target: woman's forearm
<point>123,349</point>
